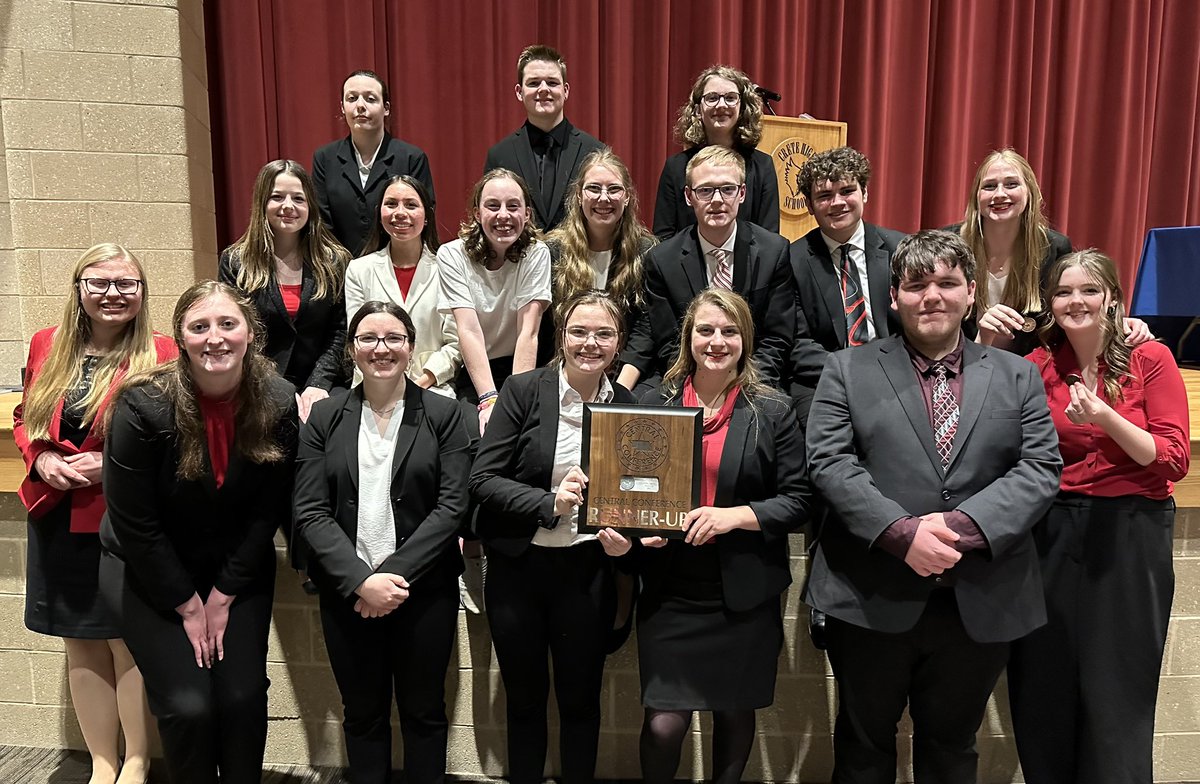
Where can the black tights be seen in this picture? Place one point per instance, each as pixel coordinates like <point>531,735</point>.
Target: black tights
<point>663,732</point>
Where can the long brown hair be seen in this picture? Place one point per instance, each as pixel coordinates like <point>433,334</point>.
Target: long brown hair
<point>63,368</point>
<point>573,272</point>
<point>747,132</point>
<point>475,243</point>
<point>1022,289</point>
<point>733,306</point>
<point>255,249</point>
<point>257,414</point>
<point>1114,351</point>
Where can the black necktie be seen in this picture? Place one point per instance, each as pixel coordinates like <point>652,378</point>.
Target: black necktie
<point>852,298</point>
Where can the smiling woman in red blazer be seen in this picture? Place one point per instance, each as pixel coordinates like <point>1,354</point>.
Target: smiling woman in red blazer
<point>71,374</point>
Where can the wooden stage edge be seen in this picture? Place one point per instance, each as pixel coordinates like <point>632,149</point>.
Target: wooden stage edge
<point>1187,492</point>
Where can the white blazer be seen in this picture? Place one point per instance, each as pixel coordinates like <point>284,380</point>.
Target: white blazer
<point>371,277</point>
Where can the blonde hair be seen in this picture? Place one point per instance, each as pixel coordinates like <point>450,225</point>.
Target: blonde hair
<point>255,250</point>
<point>63,369</point>
<point>1114,351</point>
<point>573,272</point>
<point>738,311</point>
<point>1022,289</point>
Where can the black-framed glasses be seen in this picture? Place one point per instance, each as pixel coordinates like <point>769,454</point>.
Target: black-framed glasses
<point>706,192</point>
<point>596,190</point>
<point>603,336</point>
<point>394,342</point>
<point>712,99</point>
<point>101,286</point>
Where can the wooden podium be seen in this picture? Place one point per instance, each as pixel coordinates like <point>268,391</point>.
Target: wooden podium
<point>790,141</point>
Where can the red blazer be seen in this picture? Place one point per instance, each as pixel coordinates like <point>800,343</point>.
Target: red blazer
<point>87,503</point>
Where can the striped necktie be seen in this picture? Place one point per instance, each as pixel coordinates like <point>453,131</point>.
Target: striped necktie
<point>723,276</point>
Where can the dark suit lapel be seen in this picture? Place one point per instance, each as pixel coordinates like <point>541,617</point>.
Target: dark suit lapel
<point>275,302</point>
<point>382,163</point>
<point>977,375</point>
<point>691,261</point>
<point>745,259</point>
<point>414,411</point>
<point>562,172</point>
<point>344,440</point>
<point>526,163</point>
<point>829,285</point>
<point>308,285</point>
<point>879,276</point>
<point>898,368</point>
<point>548,410</point>
<point>733,453</point>
<point>350,165</point>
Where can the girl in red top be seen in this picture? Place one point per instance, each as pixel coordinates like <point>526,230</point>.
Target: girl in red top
<point>71,374</point>
<point>1083,687</point>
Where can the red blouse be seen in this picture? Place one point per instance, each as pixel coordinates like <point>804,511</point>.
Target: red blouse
<point>291,298</point>
<point>712,441</point>
<point>404,278</point>
<point>1155,400</point>
<point>218,427</point>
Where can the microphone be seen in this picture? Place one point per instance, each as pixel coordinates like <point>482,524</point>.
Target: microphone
<point>766,93</point>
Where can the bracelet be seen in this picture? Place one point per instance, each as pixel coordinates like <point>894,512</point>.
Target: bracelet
<point>487,400</point>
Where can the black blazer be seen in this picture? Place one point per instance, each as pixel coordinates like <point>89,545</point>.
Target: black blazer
<point>308,351</point>
<point>179,537</point>
<point>675,272</point>
<point>1023,342</point>
<point>429,491</point>
<point>511,477</point>
<point>515,154</point>
<point>672,213</point>
<point>819,298</point>
<point>762,466</point>
<point>348,208</point>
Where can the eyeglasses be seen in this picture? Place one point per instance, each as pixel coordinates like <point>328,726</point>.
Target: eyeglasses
<point>596,190</point>
<point>712,99</point>
<point>603,337</point>
<point>101,286</point>
<point>371,342</point>
<point>706,192</point>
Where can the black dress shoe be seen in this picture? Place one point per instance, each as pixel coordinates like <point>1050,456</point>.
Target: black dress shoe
<point>816,629</point>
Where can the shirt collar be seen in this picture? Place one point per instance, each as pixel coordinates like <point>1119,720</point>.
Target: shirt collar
<point>858,240</point>
<point>374,156</point>
<point>706,247</point>
<point>567,394</point>
<point>539,138</point>
<point>924,365</point>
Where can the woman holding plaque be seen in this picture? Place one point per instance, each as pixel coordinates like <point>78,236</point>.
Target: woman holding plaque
<point>1084,686</point>
<point>549,586</point>
<point>710,617</point>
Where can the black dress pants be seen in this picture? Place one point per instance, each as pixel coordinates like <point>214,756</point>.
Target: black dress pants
<point>557,602</point>
<point>213,722</point>
<point>943,676</point>
<point>405,652</point>
<point>1084,686</point>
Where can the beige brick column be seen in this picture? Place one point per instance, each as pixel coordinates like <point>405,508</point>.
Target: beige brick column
<point>105,138</point>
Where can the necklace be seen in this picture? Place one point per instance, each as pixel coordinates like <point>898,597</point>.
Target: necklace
<point>383,412</point>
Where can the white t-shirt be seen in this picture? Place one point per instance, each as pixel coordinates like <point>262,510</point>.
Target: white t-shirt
<point>495,296</point>
<point>600,259</point>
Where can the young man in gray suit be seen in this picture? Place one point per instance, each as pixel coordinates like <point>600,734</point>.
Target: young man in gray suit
<point>936,456</point>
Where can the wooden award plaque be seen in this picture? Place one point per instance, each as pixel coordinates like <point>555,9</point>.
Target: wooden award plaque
<point>643,468</point>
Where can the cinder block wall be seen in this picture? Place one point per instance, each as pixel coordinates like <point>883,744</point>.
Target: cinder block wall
<point>794,735</point>
<point>105,138</point>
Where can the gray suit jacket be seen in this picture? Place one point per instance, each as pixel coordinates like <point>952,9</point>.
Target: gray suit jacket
<point>871,454</point>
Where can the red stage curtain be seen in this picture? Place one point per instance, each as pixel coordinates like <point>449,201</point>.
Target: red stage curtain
<point>1100,95</point>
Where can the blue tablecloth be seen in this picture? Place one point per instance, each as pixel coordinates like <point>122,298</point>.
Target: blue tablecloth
<point>1168,278</point>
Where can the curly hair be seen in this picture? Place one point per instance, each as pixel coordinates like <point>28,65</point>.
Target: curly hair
<point>1022,288</point>
<point>1115,353</point>
<point>257,415</point>
<point>689,128</point>
<point>573,272</point>
<point>475,243</point>
<point>836,165</point>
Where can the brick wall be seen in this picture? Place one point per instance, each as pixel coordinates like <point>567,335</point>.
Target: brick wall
<point>794,734</point>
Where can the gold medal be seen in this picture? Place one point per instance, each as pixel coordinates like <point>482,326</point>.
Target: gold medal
<point>1029,325</point>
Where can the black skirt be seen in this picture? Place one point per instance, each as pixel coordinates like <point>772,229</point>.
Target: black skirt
<point>62,597</point>
<point>694,654</point>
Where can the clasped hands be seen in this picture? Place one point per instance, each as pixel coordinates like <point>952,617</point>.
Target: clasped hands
<point>379,594</point>
<point>69,472</point>
<point>932,550</point>
<point>204,623</point>
<point>702,526</point>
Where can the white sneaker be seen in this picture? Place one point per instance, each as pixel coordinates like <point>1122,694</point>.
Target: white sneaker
<point>470,584</point>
